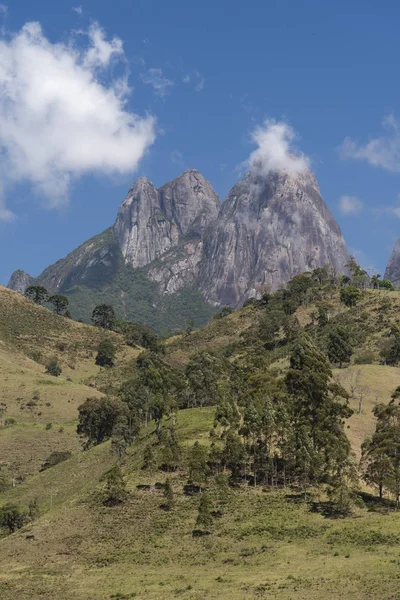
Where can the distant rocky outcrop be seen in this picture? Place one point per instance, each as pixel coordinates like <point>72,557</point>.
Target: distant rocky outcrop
<point>19,281</point>
<point>392,271</point>
<point>180,242</point>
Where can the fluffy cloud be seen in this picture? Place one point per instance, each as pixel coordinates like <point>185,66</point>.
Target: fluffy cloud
<point>160,84</point>
<point>60,116</point>
<point>350,205</point>
<point>274,152</point>
<point>78,9</point>
<point>381,152</point>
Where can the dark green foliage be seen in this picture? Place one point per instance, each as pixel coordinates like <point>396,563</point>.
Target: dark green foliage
<point>149,461</point>
<point>381,453</point>
<point>53,367</point>
<point>170,450</point>
<point>204,517</point>
<point>115,490</point>
<point>97,418</point>
<point>55,458</point>
<point>11,517</point>
<point>197,462</point>
<point>318,442</point>
<point>106,353</point>
<point>37,293</point>
<point>339,347</point>
<point>350,295</point>
<point>203,372</point>
<point>103,316</point>
<point>169,495</point>
<point>60,303</point>
<point>136,334</point>
<point>392,356</point>
<point>33,510</point>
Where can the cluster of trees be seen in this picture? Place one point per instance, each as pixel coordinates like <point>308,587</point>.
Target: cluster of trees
<point>39,295</point>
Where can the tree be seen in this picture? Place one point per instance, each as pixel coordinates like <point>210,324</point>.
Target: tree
<point>381,454</point>
<point>318,408</point>
<point>386,284</point>
<point>106,353</point>
<point>350,295</point>
<point>53,367</point>
<point>37,293</point>
<point>60,303</point>
<point>198,467</point>
<point>204,517</point>
<point>339,348</point>
<point>11,517</point>
<point>169,495</point>
<point>203,372</point>
<point>55,458</point>
<point>115,491</point>
<point>121,435</point>
<point>103,316</point>
<point>149,461</point>
<point>97,417</point>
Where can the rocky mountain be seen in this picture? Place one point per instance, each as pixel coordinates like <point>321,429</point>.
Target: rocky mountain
<point>176,253</point>
<point>19,281</point>
<point>392,271</point>
<point>269,229</point>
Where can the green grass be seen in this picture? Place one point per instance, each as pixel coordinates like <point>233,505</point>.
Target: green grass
<point>267,544</point>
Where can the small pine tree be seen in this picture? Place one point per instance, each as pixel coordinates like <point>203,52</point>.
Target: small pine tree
<point>169,495</point>
<point>223,491</point>
<point>198,467</point>
<point>149,460</point>
<point>204,517</point>
<point>115,492</point>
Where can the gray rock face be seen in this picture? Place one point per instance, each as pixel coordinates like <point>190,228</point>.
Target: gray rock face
<point>269,229</point>
<point>19,281</point>
<point>150,221</point>
<point>392,271</point>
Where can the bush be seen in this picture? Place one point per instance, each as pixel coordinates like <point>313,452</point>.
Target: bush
<point>55,458</point>
<point>106,354</point>
<point>53,367</point>
<point>11,517</point>
<point>350,295</point>
<point>9,421</point>
<point>364,357</point>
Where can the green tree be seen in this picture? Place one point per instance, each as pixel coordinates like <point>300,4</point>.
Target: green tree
<point>97,417</point>
<point>381,454</point>
<point>319,407</point>
<point>386,284</point>
<point>149,459</point>
<point>198,467</point>
<point>60,303</point>
<point>339,347</point>
<point>106,353</point>
<point>204,517</point>
<point>103,316</point>
<point>169,495</point>
<point>223,491</point>
<point>11,517</point>
<point>115,490</point>
<point>350,295</point>
<point>37,293</point>
<point>53,367</point>
<point>203,372</point>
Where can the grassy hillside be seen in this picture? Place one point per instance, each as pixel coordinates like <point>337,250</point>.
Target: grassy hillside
<point>267,541</point>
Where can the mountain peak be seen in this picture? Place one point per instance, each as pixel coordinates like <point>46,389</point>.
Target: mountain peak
<point>392,271</point>
<point>19,281</point>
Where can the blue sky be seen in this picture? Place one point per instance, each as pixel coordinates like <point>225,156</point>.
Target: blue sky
<point>202,77</point>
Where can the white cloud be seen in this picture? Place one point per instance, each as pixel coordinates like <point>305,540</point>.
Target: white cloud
<point>78,9</point>
<point>196,79</point>
<point>160,84</point>
<point>59,118</point>
<point>350,205</point>
<point>383,151</point>
<point>274,152</point>
<point>3,9</point>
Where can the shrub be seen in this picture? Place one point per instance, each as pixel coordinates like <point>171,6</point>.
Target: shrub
<point>106,354</point>
<point>53,367</point>
<point>364,357</point>
<point>55,458</point>
<point>9,421</point>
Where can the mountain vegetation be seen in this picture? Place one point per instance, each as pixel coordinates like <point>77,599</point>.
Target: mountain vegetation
<point>257,456</point>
